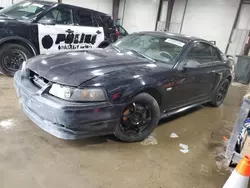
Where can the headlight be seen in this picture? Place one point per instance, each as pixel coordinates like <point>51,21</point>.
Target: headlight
<point>74,94</point>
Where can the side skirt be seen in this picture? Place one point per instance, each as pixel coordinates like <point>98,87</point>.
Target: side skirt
<point>179,110</point>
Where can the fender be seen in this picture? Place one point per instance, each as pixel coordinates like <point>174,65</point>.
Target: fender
<point>32,47</point>
<point>140,85</point>
<point>224,74</point>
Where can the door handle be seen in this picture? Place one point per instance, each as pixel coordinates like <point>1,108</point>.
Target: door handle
<point>98,32</point>
<point>69,31</point>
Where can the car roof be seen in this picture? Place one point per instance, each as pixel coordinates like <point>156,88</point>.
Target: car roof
<point>178,36</point>
<point>50,3</point>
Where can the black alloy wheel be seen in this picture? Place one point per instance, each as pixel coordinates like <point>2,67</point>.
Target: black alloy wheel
<point>136,117</point>
<point>139,118</point>
<point>220,94</point>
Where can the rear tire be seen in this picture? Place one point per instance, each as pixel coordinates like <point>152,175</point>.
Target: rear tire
<point>12,57</point>
<point>220,93</point>
<point>137,125</point>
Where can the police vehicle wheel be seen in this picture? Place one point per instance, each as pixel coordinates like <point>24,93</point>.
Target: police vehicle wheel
<point>139,118</point>
<point>11,58</point>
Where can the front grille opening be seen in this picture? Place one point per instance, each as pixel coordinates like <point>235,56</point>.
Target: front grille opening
<point>37,80</point>
<point>32,74</point>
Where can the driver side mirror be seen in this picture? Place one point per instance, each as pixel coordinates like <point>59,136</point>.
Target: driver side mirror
<point>191,64</point>
<point>47,21</point>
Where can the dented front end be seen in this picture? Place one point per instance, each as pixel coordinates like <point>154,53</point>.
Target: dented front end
<point>64,119</point>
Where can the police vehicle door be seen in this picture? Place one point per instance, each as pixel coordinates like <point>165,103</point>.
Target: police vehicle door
<point>57,31</point>
<point>91,35</point>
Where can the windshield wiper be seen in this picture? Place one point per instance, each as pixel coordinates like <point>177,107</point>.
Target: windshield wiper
<point>143,55</point>
<point>2,14</point>
<point>117,49</point>
<point>7,16</point>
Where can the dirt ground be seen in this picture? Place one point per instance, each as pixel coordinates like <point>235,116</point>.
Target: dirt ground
<point>31,158</point>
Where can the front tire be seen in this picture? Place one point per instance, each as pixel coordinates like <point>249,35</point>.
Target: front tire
<point>139,119</point>
<point>220,93</point>
<point>11,58</point>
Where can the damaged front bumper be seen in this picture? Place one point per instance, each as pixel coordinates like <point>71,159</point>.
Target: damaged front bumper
<point>64,119</point>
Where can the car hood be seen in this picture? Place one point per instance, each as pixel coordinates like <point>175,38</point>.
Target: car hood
<point>6,18</point>
<point>75,68</point>
<point>6,22</point>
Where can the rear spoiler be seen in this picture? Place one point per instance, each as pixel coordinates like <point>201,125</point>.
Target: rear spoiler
<point>213,42</point>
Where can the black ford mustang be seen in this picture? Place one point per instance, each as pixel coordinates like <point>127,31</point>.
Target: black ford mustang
<point>124,89</point>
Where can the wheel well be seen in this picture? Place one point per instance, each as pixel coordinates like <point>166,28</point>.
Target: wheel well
<point>155,94</point>
<point>103,44</point>
<point>22,43</point>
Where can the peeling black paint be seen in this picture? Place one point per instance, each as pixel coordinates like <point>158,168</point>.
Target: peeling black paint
<point>47,42</point>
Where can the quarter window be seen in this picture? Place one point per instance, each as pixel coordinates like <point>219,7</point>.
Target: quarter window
<point>201,53</point>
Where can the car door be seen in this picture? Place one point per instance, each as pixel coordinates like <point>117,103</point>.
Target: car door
<point>193,84</point>
<point>218,67</point>
<point>91,33</point>
<point>57,31</point>
<point>202,76</point>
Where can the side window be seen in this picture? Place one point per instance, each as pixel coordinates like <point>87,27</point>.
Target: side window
<point>99,19</point>
<point>84,18</point>
<point>201,52</point>
<point>216,54</point>
<point>61,15</point>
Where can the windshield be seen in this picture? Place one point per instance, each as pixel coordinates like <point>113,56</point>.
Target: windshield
<point>161,49</point>
<point>24,10</point>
